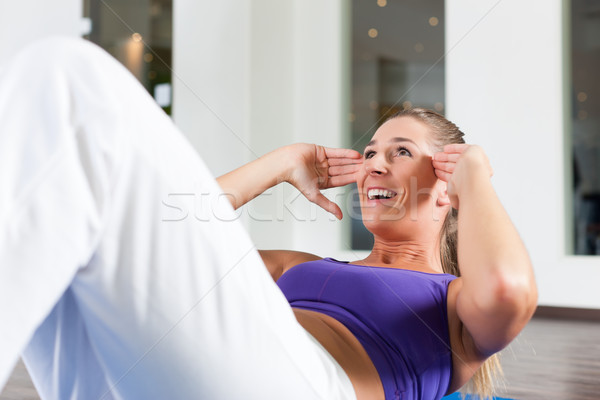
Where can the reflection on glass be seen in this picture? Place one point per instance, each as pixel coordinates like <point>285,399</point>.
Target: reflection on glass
<point>585,92</point>
<point>138,33</point>
<point>400,66</point>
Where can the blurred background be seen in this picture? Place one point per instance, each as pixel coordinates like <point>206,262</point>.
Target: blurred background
<point>242,77</point>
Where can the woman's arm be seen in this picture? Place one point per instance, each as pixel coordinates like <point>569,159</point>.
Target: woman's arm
<point>250,180</point>
<point>498,294</point>
<point>308,167</point>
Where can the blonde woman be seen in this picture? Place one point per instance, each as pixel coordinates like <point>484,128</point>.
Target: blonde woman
<point>124,274</point>
<point>448,282</point>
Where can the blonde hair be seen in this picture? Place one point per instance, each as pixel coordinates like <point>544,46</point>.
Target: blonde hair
<point>443,132</point>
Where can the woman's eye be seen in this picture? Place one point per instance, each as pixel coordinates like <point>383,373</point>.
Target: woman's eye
<point>403,151</point>
<point>369,154</point>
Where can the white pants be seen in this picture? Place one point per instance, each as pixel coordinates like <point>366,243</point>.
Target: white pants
<point>123,272</point>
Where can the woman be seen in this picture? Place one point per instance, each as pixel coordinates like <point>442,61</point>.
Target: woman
<point>415,174</point>
<point>118,281</point>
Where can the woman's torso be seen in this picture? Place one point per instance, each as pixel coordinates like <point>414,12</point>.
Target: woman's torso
<point>347,351</point>
<point>427,353</point>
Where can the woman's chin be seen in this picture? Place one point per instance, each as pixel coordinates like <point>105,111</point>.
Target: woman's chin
<point>378,222</point>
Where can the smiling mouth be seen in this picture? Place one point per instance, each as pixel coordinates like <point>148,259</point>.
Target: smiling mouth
<point>378,194</point>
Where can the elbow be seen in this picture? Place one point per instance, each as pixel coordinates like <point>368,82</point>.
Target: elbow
<point>498,308</point>
<point>514,295</point>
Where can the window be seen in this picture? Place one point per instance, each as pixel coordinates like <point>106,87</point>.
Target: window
<point>139,35</point>
<point>397,62</point>
<point>585,129</point>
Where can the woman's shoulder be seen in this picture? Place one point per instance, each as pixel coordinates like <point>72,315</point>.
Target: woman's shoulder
<point>279,261</point>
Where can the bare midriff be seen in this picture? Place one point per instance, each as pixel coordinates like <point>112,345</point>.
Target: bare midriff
<point>346,350</point>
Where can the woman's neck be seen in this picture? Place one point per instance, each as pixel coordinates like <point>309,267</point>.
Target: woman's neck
<point>415,255</point>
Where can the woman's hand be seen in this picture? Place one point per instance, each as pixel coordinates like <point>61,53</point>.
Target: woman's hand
<point>314,168</point>
<point>459,165</point>
<point>308,167</point>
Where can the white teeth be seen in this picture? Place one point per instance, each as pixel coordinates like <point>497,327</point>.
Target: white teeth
<point>380,193</point>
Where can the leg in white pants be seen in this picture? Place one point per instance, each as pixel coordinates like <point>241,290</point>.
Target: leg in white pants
<point>120,265</point>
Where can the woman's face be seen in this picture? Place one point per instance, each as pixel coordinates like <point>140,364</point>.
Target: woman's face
<point>397,181</point>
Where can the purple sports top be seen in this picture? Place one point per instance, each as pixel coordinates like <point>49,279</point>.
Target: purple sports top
<point>399,316</point>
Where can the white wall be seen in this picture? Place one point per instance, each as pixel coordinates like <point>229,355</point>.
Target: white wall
<point>24,21</point>
<point>271,113</point>
<point>504,87</point>
<point>211,69</point>
<point>320,108</point>
<point>249,79</point>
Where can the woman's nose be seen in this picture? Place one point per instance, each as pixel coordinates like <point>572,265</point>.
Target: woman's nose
<point>376,165</point>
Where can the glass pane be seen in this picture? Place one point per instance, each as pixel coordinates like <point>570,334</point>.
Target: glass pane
<point>397,62</point>
<point>139,34</point>
<point>585,59</point>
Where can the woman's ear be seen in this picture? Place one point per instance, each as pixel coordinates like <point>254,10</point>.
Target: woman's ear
<point>443,199</point>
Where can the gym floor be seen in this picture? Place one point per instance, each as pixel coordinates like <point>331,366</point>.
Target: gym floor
<point>552,359</point>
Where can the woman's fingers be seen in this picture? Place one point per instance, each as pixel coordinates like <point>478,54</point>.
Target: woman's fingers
<point>344,161</point>
<point>342,175</point>
<point>444,162</point>
<point>443,175</point>
<point>341,180</point>
<point>341,153</point>
<point>319,199</point>
<point>343,169</point>
<point>444,166</point>
<point>443,156</point>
